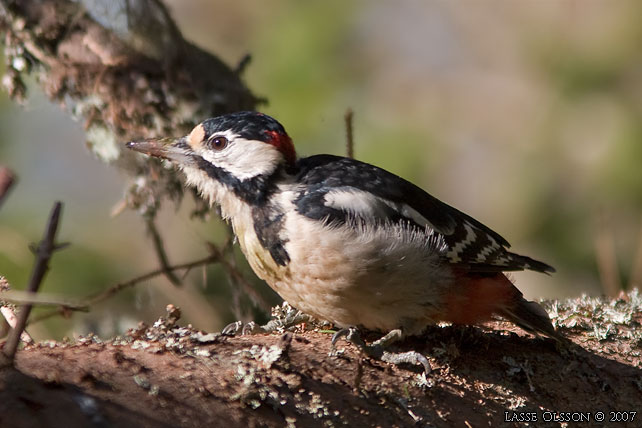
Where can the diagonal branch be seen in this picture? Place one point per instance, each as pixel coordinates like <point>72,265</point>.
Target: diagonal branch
<point>115,289</point>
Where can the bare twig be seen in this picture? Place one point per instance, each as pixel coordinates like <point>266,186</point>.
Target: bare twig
<point>113,290</point>
<point>237,310</point>
<point>7,179</point>
<point>235,288</point>
<point>243,63</point>
<point>606,258</point>
<point>349,134</point>
<point>238,278</point>
<point>159,248</point>
<point>44,252</point>
<point>42,299</point>
<point>636,270</point>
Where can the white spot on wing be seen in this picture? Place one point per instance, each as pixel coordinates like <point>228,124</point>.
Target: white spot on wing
<point>411,213</point>
<point>368,205</point>
<point>356,202</point>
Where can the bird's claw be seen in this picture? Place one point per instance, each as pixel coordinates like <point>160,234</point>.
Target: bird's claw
<point>232,329</point>
<point>238,328</point>
<point>410,357</point>
<point>275,325</point>
<point>377,350</point>
<point>344,332</point>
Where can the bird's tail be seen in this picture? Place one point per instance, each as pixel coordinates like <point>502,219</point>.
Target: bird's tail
<point>531,317</point>
<point>481,296</point>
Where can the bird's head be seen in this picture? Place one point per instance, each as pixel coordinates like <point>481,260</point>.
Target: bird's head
<point>244,144</point>
<point>238,151</point>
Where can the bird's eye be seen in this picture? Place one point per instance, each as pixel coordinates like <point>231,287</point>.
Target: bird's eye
<point>219,143</point>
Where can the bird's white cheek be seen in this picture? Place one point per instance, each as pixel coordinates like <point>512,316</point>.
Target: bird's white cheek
<point>245,159</point>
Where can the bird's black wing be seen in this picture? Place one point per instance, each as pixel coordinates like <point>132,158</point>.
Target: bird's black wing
<point>338,188</point>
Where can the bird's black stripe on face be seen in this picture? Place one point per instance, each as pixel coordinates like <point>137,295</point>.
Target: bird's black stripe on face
<point>255,190</point>
<point>268,219</point>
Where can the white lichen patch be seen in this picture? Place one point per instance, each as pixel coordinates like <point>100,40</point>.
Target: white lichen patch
<point>266,356</point>
<point>424,382</point>
<point>81,108</point>
<point>103,143</point>
<point>269,356</point>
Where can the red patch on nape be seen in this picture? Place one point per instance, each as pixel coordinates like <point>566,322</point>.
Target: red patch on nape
<point>283,143</point>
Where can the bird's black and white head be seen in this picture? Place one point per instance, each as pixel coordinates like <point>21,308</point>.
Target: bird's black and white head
<point>238,153</point>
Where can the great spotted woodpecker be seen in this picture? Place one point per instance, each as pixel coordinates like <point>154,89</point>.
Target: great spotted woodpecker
<point>345,241</point>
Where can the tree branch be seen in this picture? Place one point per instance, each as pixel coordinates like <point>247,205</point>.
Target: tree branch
<point>115,289</point>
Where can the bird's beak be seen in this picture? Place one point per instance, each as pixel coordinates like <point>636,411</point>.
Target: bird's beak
<point>174,149</point>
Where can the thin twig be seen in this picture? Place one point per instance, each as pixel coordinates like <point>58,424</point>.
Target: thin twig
<point>111,291</point>
<point>236,276</point>
<point>45,249</point>
<point>606,257</point>
<point>159,248</point>
<point>7,179</point>
<point>349,135</point>
<point>243,63</point>
<point>20,297</point>
<point>236,308</point>
<point>636,270</point>
<point>228,252</point>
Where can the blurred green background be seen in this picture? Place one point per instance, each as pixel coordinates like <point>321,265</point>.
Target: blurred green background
<point>526,115</point>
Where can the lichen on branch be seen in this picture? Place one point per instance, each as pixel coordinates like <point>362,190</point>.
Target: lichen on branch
<point>124,69</point>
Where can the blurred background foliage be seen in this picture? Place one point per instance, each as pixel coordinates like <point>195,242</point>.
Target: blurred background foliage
<point>526,115</point>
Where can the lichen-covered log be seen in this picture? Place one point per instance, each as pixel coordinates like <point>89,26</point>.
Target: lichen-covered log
<point>123,68</point>
<point>175,376</point>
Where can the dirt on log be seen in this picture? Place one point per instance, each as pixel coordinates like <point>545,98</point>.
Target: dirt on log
<point>496,375</point>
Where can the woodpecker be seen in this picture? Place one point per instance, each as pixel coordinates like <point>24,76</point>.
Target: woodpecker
<point>346,241</point>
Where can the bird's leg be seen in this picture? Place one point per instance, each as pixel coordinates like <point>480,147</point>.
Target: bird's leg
<point>291,319</point>
<point>377,349</point>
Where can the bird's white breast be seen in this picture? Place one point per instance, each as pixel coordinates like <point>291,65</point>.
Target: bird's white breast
<point>376,277</point>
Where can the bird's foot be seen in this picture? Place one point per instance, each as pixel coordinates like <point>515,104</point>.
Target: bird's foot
<point>239,328</point>
<point>377,349</point>
<point>290,319</point>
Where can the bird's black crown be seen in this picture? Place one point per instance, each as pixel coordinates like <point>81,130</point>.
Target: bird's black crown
<point>250,125</point>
